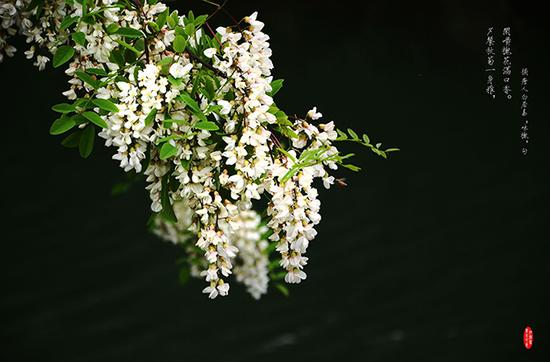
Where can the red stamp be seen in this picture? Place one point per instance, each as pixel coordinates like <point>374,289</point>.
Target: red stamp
<point>528,337</point>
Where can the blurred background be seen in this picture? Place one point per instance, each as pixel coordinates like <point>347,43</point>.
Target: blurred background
<point>438,254</point>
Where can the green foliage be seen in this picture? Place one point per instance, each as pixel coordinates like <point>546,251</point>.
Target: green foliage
<point>167,151</point>
<point>62,125</point>
<point>364,140</point>
<point>276,86</point>
<point>179,44</point>
<point>129,32</point>
<point>95,118</point>
<point>64,108</point>
<point>106,105</point>
<point>86,143</point>
<point>62,55</point>
<point>167,212</point>
<point>207,125</point>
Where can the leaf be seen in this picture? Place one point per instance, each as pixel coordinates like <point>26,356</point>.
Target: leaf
<point>190,29</point>
<point>210,87</point>
<point>97,71</point>
<point>179,44</point>
<point>127,46</point>
<point>207,125</point>
<point>283,289</point>
<point>79,38</point>
<point>392,150</point>
<point>68,21</point>
<point>293,170</point>
<point>162,17</point>
<point>129,32</point>
<point>112,28</point>
<point>351,167</point>
<point>186,98</point>
<point>62,55</point>
<point>86,144</point>
<point>72,140</point>
<point>88,79</point>
<point>150,117</point>
<point>366,139</point>
<point>167,210</point>
<point>171,22</point>
<point>276,86</point>
<point>106,105</point>
<point>153,26</point>
<point>62,125</point>
<point>167,151</point>
<point>353,134</point>
<point>184,275</point>
<point>120,188</point>
<point>342,135</point>
<point>278,276</point>
<point>95,118</point>
<point>64,108</point>
<point>117,57</point>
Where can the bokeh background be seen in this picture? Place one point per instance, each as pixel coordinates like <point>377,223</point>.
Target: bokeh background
<point>437,254</point>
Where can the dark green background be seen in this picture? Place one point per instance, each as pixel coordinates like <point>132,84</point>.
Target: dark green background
<point>438,254</point>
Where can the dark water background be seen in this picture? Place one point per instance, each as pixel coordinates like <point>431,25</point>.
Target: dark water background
<point>438,254</point>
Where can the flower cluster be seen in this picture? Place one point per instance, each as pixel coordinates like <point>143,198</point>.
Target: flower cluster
<point>195,113</point>
<point>14,18</point>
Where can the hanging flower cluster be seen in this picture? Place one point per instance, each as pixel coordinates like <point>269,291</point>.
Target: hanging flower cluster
<point>192,109</point>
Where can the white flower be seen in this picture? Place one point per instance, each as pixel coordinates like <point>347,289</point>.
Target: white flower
<point>179,71</point>
<point>313,114</point>
<point>226,106</point>
<point>209,53</point>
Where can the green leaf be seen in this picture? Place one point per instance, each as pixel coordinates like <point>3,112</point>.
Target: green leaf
<point>392,150</point>
<point>352,167</point>
<point>207,125</point>
<point>79,38</point>
<point>179,44</point>
<point>117,57</point>
<point>276,86</point>
<point>86,144</point>
<point>184,275</point>
<point>127,46</point>
<point>167,151</point>
<point>167,210</point>
<point>171,22</point>
<point>342,135</point>
<point>106,105</point>
<point>366,139</point>
<point>88,79</point>
<point>95,118</point>
<point>190,29</point>
<point>186,98</point>
<point>112,28</point>
<point>62,125</point>
<point>97,71</point>
<point>129,32</point>
<point>64,108</point>
<point>162,17</point>
<point>353,134</point>
<point>153,26</point>
<point>68,21</point>
<point>150,117</point>
<point>283,289</point>
<point>72,140</point>
<point>62,55</point>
